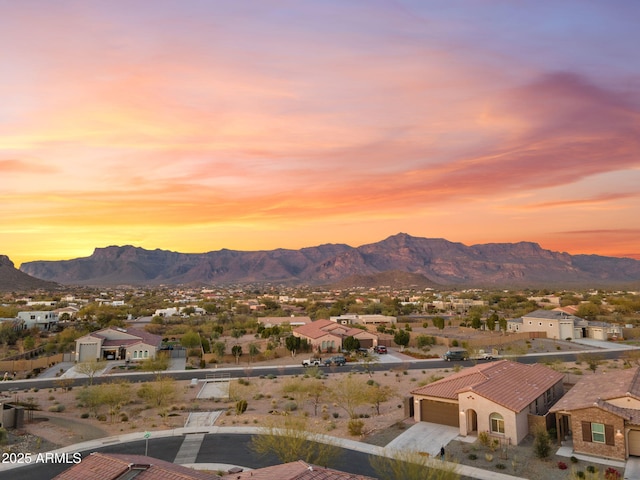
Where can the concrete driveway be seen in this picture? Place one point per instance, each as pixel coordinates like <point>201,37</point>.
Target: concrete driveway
<point>425,437</point>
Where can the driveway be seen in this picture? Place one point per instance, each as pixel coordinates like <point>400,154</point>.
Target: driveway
<point>425,437</point>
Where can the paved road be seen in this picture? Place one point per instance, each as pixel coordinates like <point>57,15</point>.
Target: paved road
<point>233,449</point>
<point>236,372</point>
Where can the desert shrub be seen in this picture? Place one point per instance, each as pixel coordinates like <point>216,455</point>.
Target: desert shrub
<point>124,417</point>
<point>290,406</point>
<point>58,407</point>
<point>500,466</point>
<point>472,456</point>
<point>101,418</point>
<point>84,415</point>
<point>573,459</point>
<point>591,469</point>
<point>241,407</point>
<point>484,439</point>
<point>355,427</point>
<point>580,474</point>
<point>542,443</point>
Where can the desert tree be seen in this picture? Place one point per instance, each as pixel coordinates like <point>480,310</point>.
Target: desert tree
<point>350,344</point>
<point>402,338</point>
<point>294,440</point>
<point>349,394</point>
<point>378,394</point>
<point>410,465</point>
<point>90,368</point>
<point>293,344</point>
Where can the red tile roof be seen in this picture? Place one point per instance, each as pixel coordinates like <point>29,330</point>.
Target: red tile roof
<point>297,471</point>
<point>510,384</point>
<point>590,391</point>
<point>102,466</point>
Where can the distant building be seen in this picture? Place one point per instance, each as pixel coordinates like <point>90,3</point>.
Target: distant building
<point>117,344</point>
<point>354,319</point>
<point>560,325</point>
<point>44,320</point>
<point>269,322</point>
<point>327,336</point>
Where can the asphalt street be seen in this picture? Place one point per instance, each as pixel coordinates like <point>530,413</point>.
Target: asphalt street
<point>234,449</point>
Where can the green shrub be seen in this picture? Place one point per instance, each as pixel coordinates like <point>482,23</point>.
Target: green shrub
<point>542,443</point>
<point>484,439</point>
<point>472,456</point>
<point>58,407</point>
<point>84,415</point>
<point>102,417</point>
<point>241,407</point>
<point>355,427</point>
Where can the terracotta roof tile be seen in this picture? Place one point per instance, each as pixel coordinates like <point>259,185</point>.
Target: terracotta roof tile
<point>298,471</point>
<point>589,389</point>
<point>102,466</point>
<point>510,384</point>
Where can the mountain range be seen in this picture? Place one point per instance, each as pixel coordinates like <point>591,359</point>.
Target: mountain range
<point>12,279</point>
<point>400,258</point>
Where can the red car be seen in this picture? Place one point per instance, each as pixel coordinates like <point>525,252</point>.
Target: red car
<point>380,349</point>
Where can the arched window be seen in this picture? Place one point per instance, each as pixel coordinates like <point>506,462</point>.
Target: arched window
<point>497,423</point>
<point>146,354</point>
<point>135,354</point>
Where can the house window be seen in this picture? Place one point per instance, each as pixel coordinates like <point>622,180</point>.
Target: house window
<point>135,354</point>
<point>146,354</point>
<point>497,423</point>
<point>549,394</point>
<point>597,433</point>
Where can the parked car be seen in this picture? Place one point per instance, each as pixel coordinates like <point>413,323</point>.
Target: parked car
<point>363,352</point>
<point>338,360</point>
<point>380,349</point>
<point>455,355</point>
<point>482,355</point>
<point>311,362</point>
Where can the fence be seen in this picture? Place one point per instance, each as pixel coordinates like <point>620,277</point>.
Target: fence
<point>28,365</point>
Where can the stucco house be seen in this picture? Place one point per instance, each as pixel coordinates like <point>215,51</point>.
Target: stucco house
<point>561,325</point>
<point>292,321</point>
<point>503,398</point>
<point>44,320</point>
<point>600,415</point>
<point>355,319</point>
<point>117,344</point>
<point>327,336</point>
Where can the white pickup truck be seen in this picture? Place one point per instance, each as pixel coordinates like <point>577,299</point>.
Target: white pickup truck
<point>311,362</point>
<point>482,355</point>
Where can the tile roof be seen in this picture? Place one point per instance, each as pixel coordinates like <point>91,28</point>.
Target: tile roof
<point>136,336</point>
<point>589,392</point>
<point>510,384</point>
<point>102,466</point>
<point>316,329</point>
<point>297,471</point>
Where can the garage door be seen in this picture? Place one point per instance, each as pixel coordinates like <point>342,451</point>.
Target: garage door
<point>634,443</point>
<point>366,342</point>
<point>440,412</point>
<point>87,352</point>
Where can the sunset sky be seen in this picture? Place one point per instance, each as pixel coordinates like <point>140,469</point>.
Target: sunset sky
<point>198,125</point>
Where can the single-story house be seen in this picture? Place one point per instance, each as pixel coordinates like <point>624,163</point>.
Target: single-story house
<point>327,336</point>
<point>269,322</point>
<point>117,344</point>
<point>561,325</point>
<point>354,319</point>
<point>503,398</point>
<point>600,415</point>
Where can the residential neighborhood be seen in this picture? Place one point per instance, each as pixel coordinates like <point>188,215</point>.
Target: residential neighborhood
<point>494,396</point>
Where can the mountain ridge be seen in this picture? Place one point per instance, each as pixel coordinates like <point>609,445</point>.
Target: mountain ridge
<point>437,260</point>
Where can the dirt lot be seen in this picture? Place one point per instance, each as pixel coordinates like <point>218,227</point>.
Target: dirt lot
<point>271,400</point>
